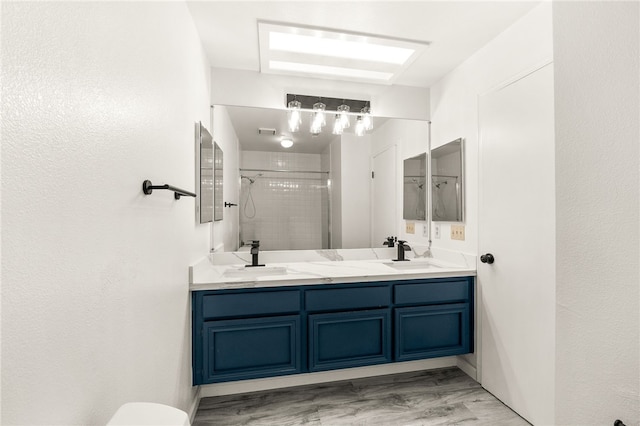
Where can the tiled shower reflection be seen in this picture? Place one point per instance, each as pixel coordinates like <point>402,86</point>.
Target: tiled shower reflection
<point>283,200</point>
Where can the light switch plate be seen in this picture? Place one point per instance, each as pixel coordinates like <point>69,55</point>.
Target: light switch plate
<point>411,228</point>
<point>457,232</point>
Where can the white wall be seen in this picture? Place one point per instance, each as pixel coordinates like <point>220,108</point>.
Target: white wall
<point>454,102</point>
<point>96,98</point>
<point>335,153</point>
<point>250,88</point>
<point>225,231</point>
<point>597,133</point>
<point>411,138</point>
<point>355,191</point>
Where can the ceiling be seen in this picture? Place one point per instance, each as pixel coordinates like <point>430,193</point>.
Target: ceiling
<point>455,30</point>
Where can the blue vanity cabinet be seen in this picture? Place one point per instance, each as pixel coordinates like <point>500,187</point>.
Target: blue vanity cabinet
<point>433,318</point>
<point>252,333</point>
<point>246,334</point>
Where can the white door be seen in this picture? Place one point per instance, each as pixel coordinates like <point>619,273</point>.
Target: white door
<point>517,226</point>
<point>383,196</point>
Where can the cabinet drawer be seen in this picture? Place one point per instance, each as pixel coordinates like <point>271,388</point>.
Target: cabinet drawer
<point>349,339</point>
<point>432,292</point>
<point>347,298</point>
<point>250,304</point>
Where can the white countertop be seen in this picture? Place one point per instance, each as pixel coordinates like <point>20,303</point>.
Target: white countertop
<point>307,267</point>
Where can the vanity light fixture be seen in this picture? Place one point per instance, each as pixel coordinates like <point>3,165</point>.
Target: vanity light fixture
<point>286,142</point>
<point>317,107</point>
<point>334,54</point>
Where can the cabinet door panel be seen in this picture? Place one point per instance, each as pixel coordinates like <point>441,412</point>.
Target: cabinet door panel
<point>349,339</point>
<point>251,348</point>
<point>431,331</point>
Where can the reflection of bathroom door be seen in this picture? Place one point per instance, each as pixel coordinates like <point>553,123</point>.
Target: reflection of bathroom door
<point>383,196</point>
<point>517,226</point>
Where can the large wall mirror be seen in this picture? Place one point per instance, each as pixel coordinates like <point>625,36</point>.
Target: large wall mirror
<point>415,188</point>
<point>294,198</point>
<point>447,182</point>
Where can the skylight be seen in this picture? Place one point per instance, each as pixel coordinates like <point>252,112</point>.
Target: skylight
<point>338,48</point>
<point>328,70</point>
<point>326,53</point>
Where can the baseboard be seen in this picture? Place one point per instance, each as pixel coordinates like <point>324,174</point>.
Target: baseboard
<point>467,367</point>
<point>244,386</point>
<point>193,408</point>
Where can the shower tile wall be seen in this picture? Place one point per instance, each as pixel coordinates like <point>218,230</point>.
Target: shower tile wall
<point>288,205</point>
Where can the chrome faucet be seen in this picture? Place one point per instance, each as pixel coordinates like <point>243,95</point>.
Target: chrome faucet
<point>402,246</point>
<point>255,248</point>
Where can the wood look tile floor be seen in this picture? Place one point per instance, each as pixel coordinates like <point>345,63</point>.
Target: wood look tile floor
<point>445,396</point>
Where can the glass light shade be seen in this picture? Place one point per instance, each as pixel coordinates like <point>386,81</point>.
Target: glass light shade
<point>318,113</point>
<point>360,126</point>
<point>343,110</point>
<point>315,127</point>
<point>366,118</point>
<point>295,117</point>
<point>337,125</point>
<point>286,143</point>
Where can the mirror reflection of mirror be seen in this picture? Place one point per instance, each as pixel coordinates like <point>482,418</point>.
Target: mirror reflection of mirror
<point>217,183</point>
<point>204,147</point>
<point>415,188</point>
<point>447,183</point>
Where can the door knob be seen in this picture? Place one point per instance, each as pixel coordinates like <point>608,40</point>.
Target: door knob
<point>487,258</point>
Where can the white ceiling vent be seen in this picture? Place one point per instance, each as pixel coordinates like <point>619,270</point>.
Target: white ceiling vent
<point>266,131</point>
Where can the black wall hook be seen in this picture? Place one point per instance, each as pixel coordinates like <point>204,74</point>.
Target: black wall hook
<point>148,187</point>
<point>229,204</point>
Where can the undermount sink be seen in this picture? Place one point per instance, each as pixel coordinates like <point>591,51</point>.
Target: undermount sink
<point>411,265</point>
<point>256,271</point>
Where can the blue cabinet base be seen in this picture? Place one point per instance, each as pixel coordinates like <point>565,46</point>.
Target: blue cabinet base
<point>255,333</point>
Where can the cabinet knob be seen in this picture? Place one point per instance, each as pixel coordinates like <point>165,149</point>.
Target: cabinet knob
<point>487,258</point>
